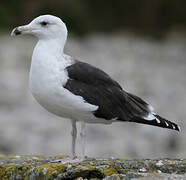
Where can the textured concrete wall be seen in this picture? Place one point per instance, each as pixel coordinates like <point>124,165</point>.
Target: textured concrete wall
<point>36,167</point>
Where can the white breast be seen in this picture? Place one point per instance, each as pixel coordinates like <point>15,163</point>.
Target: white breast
<point>47,77</point>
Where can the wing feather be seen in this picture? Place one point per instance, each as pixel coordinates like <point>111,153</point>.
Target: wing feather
<point>97,88</point>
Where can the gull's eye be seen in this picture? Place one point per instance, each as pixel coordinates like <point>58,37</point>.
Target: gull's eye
<point>43,23</point>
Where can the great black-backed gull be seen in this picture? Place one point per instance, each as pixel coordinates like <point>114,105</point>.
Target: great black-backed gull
<point>76,90</point>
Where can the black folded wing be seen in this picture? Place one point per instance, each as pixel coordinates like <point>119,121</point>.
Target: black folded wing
<point>97,88</point>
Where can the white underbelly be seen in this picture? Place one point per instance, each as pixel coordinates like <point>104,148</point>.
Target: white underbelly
<point>72,107</point>
<point>50,94</point>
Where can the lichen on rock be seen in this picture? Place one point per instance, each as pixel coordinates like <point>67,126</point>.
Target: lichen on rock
<point>36,167</point>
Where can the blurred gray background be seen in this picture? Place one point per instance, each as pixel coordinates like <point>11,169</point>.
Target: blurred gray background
<point>141,44</point>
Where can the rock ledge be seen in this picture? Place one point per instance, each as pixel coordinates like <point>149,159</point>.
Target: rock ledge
<point>37,167</point>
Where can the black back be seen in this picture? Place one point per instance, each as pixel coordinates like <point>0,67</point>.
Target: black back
<point>97,88</point>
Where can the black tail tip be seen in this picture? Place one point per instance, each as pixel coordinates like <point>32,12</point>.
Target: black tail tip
<point>179,128</point>
<point>176,128</point>
<point>159,122</point>
<point>167,124</point>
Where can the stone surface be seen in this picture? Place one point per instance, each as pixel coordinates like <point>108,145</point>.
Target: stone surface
<point>36,167</point>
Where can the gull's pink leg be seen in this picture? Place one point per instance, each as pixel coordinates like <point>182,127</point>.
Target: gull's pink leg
<point>83,139</point>
<point>74,136</point>
<point>73,158</point>
<point>73,147</point>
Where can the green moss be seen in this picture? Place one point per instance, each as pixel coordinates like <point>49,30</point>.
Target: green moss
<point>109,171</point>
<point>61,156</point>
<point>125,158</point>
<point>39,167</point>
<point>48,170</point>
<point>13,157</point>
<point>7,171</point>
<point>2,155</point>
<point>90,167</point>
<point>108,163</point>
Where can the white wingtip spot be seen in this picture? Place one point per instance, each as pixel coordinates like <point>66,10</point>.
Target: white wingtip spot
<point>173,126</point>
<point>166,123</point>
<point>157,120</point>
<point>179,128</point>
<point>150,117</point>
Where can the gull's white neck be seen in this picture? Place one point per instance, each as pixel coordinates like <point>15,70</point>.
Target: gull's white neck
<point>48,64</point>
<point>49,46</point>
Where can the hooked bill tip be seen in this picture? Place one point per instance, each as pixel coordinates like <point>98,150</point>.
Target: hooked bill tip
<point>15,32</point>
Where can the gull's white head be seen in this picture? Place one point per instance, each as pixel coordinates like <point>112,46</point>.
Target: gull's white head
<point>44,27</point>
